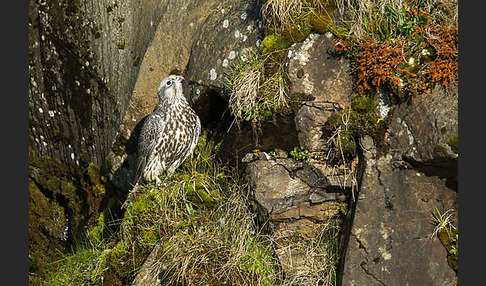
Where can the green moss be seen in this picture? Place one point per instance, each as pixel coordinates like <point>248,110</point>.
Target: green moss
<point>356,120</point>
<point>454,142</point>
<point>58,134</point>
<point>96,179</point>
<point>119,145</point>
<point>108,163</point>
<point>450,240</point>
<point>299,28</point>
<point>96,233</point>
<point>111,259</point>
<point>274,43</point>
<point>121,46</point>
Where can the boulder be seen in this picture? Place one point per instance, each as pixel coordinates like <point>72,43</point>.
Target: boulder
<point>297,200</point>
<point>315,71</point>
<point>426,128</point>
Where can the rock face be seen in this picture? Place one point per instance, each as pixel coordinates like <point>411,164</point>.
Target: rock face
<point>83,63</point>
<point>300,198</point>
<point>391,239</point>
<point>425,133</point>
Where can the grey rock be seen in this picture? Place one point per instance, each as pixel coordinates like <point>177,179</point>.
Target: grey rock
<point>232,30</point>
<point>420,129</point>
<point>272,184</point>
<point>314,71</point>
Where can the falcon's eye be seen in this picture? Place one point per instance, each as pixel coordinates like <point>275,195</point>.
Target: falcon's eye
<point>169,83</point>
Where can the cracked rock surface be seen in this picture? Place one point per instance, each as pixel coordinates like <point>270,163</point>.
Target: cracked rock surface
<point>391,240</point>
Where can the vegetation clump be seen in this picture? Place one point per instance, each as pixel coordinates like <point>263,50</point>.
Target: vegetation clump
<point>405,49</point>
<point>202,224</point>
<point>448,235</point>
<point>257,82</point>
<point>356,120</point>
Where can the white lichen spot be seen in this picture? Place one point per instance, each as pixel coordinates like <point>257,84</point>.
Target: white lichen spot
<point>290,54</point>
<point>72,156</point>
<point>88,91</point>
<point>244,15</point>
<point>232,55</point>
<point>151,23</point>
<point>302,55</point>
<point>385,231</point>
<point>69,146</point>
<point>198,91</point>
<point>77,83</point>
<point>418,174</point>
<point>43,37</point>
<point>258,43</point>
<point>225,63</point>
<point>244,38</point>
<point>383,105</point>
<point>328,35</point>
<point>237,34</point>
<point>212,74</point>
<point>307,84</point>
<point>249,28</point>
<point>191,24</point>
<point>260,24</point>
<point>40,110</point>
<point>384,253</point>
<point>225,24</point>
<point>86,63</point>
<point>410,61</point>
<point>51,113</point>
<point>222,11</point>
<point>41,138</point>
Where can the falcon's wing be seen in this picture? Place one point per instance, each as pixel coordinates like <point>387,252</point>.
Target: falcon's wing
<point>149,137</point>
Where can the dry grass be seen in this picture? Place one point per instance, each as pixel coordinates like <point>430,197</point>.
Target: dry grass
<point>254,95</point>
<point>245,83</point>
<point>443,221</point>
<point>319,258</point>
<point>221,247</point>
<point>280,12</point>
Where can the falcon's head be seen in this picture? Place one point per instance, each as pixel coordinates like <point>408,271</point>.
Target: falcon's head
<point>170,89</point>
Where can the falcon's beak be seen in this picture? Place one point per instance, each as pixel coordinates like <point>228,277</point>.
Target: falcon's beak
<point>179,78</point>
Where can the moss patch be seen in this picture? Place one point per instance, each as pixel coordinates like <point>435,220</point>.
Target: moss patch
<point>454,143</point>
<point>450,240</point>
<point>356,120</point>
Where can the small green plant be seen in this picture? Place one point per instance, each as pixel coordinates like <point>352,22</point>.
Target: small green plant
<point>448,235</point>
<point>298,154</point>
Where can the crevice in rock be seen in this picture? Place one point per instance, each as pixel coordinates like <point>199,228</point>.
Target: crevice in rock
<point>347,223</point>
<point>362,264</point>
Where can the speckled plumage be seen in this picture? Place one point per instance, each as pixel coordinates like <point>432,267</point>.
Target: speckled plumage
<point>169,135</point>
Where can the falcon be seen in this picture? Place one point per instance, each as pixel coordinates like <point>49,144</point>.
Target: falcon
<point>169,134</point>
